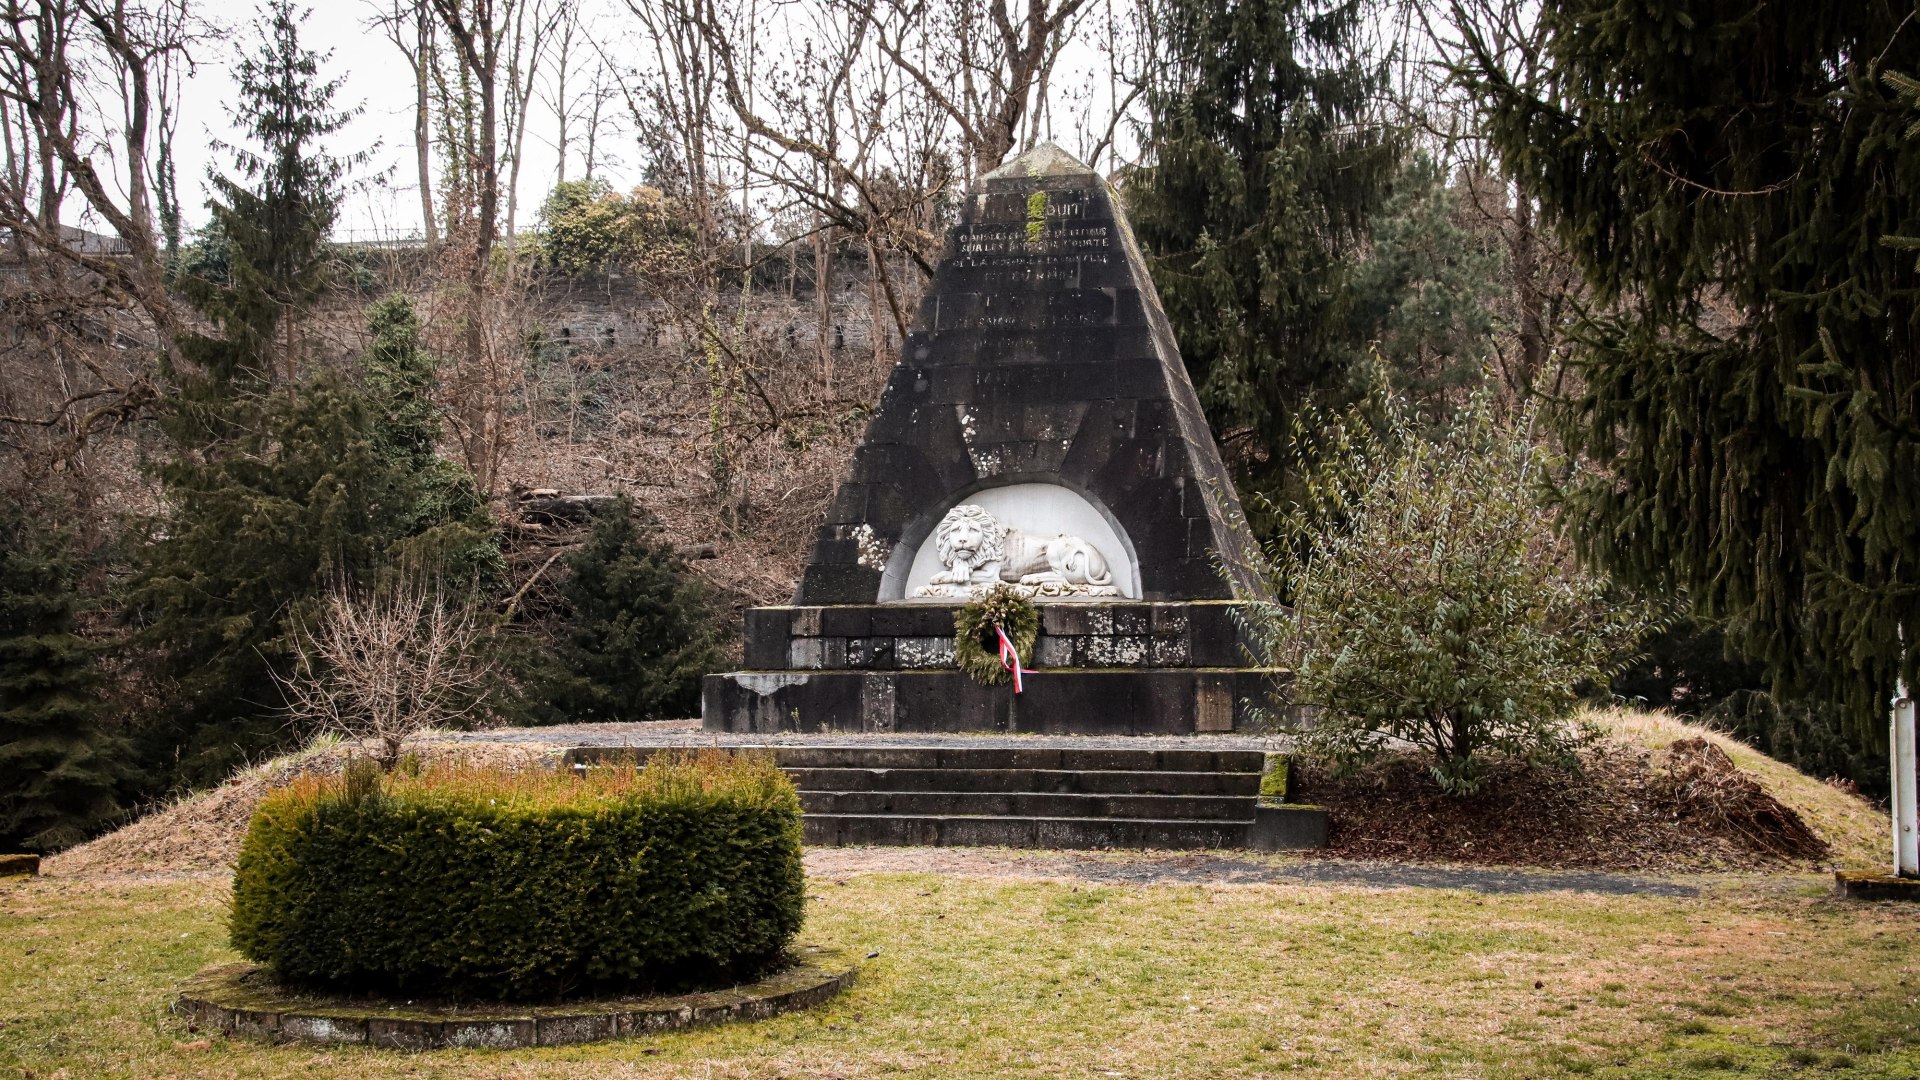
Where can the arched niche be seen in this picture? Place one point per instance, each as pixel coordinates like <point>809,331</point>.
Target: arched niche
<point>1045,509</point>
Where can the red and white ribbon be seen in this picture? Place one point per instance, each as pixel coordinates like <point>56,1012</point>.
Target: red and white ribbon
<point>1009,656</point>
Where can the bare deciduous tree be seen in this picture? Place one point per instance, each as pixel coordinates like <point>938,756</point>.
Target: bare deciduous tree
<point>985,63</point>
<point>534,25</point>
<point>386,665</point>
<point>410,27</point>
<point>482,37</point>
<point>87,102</point>
<point>82,77</point>
<point>1437,44</point>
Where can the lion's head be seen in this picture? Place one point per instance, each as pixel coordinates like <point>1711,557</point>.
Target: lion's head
<point>969,532</point>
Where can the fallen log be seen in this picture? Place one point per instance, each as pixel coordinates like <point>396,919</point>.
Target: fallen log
<point>569,508</point>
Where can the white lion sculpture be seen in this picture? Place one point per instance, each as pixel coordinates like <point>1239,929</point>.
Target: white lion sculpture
<point>978,552</point>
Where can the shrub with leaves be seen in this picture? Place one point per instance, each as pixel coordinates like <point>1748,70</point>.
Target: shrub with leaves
<point>475,882</point>
<point>587,226</point>
<point>1436,606</point>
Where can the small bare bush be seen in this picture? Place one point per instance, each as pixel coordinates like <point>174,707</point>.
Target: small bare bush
<point>385,665</point>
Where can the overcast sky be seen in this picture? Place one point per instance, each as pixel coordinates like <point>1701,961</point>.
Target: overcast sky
<point>377,80</point>
<point>386,202</point>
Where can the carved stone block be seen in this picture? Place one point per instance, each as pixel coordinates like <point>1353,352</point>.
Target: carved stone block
<point>1053,651</point>
<point>1169,650</point>
<point>806,621</point>
<point>1213,703</point>
<point>923,652</point>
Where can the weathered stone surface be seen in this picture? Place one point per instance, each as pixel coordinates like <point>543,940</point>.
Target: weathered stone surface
<point>766,639</point>
<point>1027,791</point>
<point>1041,354</point>
<point>1072,701</point>
<point>239,999</point>
<point>1182,634</point>
<point>1873,885</point>
<point>1279,827</point>
<point>970,752</point>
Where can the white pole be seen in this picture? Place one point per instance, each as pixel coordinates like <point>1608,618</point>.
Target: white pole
<point>1906,829</point>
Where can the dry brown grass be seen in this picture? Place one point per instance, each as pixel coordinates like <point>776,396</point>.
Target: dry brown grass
<point>202,832</point>
<point>973,977</point>
<point>1855,829</point>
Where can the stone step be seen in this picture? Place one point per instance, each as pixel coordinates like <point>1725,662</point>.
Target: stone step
<point>1027,794</point>
<point>1043,781</point>
<point>1273,828</point>
<point>1028,805</point>
<point>1018,757</point>
<point>1082,759</point>
<point>1022,832</point>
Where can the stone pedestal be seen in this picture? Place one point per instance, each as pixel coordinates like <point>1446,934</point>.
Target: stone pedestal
<point>1166,668</point>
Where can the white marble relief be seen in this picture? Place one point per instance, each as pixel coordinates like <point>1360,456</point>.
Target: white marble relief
<point>1039,516</point>
<point>978,552</point>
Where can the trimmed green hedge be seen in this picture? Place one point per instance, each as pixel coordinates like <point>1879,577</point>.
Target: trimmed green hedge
<point>484,883</point>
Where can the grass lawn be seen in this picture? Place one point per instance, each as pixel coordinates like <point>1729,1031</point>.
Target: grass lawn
<point>980,976</point>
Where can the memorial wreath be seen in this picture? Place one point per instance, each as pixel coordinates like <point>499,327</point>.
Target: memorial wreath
<point>977,628</point>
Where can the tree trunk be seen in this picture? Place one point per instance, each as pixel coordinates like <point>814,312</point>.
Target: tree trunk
<point>823,303</point>
<point>422,127</point>
<point>877,309</point>
<point>1527,295</point>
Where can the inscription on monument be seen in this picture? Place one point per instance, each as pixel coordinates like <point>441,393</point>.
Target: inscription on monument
<point>1007,253</point>
<point>1000,245</point>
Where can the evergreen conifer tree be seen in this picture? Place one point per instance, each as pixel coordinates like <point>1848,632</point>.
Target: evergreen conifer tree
<point>295,500</point>
<point>60,774</point>
<point>1726,176</point>
<point>271,497</point>
<point>1422,299</point>
<point>1267,168</point>
<point>274,212</point>
<point>443,521</point>
<point>641,632</point>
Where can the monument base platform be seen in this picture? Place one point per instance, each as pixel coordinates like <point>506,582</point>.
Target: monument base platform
<point>1101,668</point>
<point>1073,701</point>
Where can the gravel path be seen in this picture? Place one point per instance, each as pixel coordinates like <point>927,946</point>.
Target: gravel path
<point>1155,868</point>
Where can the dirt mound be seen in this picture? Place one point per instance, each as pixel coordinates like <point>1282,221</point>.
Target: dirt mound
<point>1685,807</point>
<point>1657,794</point>
<point>202,832</point>
<point>1704,787</point>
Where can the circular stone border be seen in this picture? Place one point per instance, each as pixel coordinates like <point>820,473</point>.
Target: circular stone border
<point>240,999</point>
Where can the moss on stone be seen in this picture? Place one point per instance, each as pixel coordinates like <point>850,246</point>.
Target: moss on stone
<point>19,865</point>
<point>248,998</point>
<point>1274,780</point>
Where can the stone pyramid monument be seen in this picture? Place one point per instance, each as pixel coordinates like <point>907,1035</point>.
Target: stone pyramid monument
<point>1039,431</point>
